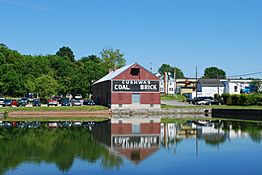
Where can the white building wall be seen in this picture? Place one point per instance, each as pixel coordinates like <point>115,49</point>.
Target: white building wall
<point>210,91</point>
<point>235,87</point>
<point>169,87</point>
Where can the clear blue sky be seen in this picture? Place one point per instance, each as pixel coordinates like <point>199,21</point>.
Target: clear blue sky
<point>182,33</point>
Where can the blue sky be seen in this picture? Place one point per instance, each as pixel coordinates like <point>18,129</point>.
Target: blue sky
<point>182,33</point>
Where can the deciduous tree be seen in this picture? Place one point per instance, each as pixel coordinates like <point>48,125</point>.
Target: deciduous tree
<point>214,72</point>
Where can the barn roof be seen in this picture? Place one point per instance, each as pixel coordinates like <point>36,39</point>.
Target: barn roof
<point>113,74</point>
<point>210,82</point>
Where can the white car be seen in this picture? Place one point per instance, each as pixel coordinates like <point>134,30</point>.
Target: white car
<point>203,102</point>
<point>78,97</point>
<point>2,99</point>
<point>76,103</point>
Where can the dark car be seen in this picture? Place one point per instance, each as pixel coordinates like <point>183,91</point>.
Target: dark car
<point>36,102</point>
<point>7,102</point>
<point>22,103</point>
<point>65,102</point>
<point>89,102</point>
<point>24,100</point>
<point>213,102</point>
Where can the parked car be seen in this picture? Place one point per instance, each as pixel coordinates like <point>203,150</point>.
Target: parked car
<point>203,98</point>
<point>78,97</point>
<point>2,99</point>
<point>36,102</point>
<point>24,100</point>
<point>65,102</point>
<point>15,103</point>
<point>7,102</point>
<point>213,102</point>
<point>89,102</point>
<point>203,102</point>
<point>76,102</point>
<point>22,103</point>
<point>52,102</point>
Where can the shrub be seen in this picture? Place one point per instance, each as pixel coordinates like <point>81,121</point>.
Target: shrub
<point>242,99</point>
<point>235,99</point>
<point>226,99</point>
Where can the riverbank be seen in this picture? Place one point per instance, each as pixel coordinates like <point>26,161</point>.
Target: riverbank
<point>99,113</point>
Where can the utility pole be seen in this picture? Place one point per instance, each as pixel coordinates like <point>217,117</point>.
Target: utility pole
<point>165,76</point>
<point>174,80</point>
<point>196,82</point>
<point>217,85</point>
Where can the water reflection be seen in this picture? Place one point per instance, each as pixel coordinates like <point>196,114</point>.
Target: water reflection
<point>134,138</point>
<point>212,132</point>
<point>59,146</point>
<point>109,144</point>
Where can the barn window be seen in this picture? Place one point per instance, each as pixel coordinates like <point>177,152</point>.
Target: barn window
<point>135,71</point>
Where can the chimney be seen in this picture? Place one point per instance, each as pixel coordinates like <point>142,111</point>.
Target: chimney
<point>114,68</point>
<point>110,70</point>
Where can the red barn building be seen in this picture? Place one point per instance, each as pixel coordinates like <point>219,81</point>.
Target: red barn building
<point>129,87</point>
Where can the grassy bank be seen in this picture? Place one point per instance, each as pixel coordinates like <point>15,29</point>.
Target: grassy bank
<point>44,119</point>
<point>55,108</point>
<point>214,106</point>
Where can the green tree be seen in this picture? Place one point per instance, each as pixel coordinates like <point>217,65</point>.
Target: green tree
<point>214,72</point>
<point>66,52</point>
<point>45,86</point>
<point>257,86</point>
<point>113,58</point>
<point>167,68</point>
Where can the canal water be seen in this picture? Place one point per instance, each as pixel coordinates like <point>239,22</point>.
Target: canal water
<point>131,146</point>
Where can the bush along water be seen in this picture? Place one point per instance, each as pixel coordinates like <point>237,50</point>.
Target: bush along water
<point>242,99</point>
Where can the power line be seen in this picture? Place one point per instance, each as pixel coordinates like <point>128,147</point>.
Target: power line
<point>247,74</point>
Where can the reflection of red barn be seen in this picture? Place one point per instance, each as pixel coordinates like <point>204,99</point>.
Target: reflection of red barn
<point>131,86</point>
<point>138,141</point>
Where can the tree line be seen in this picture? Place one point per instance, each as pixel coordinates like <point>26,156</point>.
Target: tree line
<point>53,74</point>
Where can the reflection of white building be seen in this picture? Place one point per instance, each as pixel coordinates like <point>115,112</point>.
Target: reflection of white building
<point>232,134</point>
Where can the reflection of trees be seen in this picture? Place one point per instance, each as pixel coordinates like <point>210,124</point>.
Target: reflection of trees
<point>60,146</point>
<point>254,129</point>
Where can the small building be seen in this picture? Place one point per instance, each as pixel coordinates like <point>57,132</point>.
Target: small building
<point>129,87</point>
<point>186,87</point>
<point>209,87</point>
<point>171,86</point>
<point>167,87</point>
<point>236,86</point>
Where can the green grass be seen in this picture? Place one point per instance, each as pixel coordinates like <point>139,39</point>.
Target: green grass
<point>213,106</point>
<point>177,97</point>
<point>163,106</point>
<point>43,119</point>
<point>59,108</point>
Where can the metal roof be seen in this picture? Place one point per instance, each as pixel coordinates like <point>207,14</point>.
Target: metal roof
<point>113,74</point>
<point>210,82</point>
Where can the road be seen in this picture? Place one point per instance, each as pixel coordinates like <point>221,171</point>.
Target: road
<point>175,103</point>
